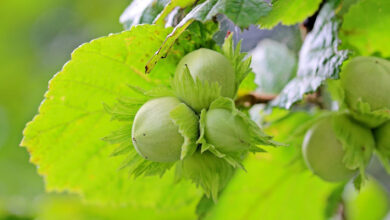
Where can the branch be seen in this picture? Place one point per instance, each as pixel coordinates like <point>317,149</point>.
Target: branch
<point>253,98</point>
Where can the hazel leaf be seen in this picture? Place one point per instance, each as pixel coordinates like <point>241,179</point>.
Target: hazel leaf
<point>365,34</point>
<point>289,12</point>
<point>65,138</point>
<point>319,59</point>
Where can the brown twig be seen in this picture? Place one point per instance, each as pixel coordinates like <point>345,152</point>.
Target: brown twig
<point>253,98</point>
<point>315,98</point>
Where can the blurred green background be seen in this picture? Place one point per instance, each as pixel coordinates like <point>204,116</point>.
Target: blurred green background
<point>36,39</point>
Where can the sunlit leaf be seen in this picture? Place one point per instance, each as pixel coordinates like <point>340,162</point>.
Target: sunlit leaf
<point>272,183</point>
<point>68,207</point>
<point>365,28</point>
<point>65,138</point>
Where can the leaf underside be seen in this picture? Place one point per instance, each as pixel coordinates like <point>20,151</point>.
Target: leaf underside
<point>319,59</point>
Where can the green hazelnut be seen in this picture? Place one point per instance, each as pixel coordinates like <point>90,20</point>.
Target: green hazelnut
<point>211,66</point>
<point>367,79</point>
<point>155,136</point>
<point>323,153</point>
<point>226,131</point>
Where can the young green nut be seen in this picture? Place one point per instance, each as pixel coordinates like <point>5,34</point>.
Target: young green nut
<point>226,131</point>
<point>367,79</point>
<point>323,153</point>
<point>382,139</point>
<point>155,136</point>
<point>211,66</point>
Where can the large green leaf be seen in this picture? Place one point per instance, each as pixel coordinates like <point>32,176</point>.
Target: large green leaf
<point>65,138</point>
<point>289,12</point>
<point>246,12</point>
<point>68,207</point>
<point>319,58</point>
<point>273,183</point>
<point>365,28</point>
<point>3,127</point>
